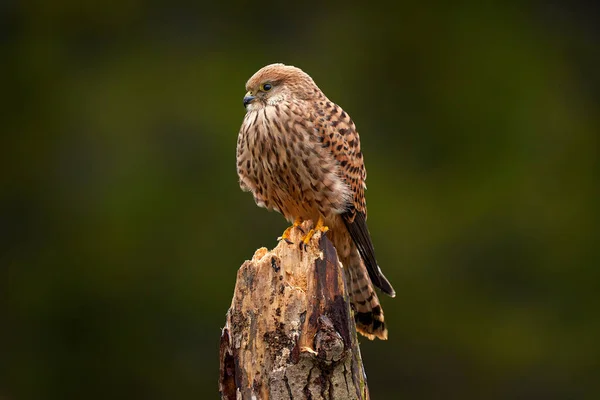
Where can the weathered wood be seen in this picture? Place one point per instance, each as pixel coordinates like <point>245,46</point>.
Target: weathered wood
<point>290,332</point>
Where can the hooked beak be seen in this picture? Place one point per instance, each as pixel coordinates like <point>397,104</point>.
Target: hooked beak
<point>248,98</point>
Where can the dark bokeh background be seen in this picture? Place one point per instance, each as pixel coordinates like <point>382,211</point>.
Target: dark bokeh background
<point>122,224</point>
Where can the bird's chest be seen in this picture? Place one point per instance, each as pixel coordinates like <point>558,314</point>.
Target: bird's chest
<point>279,167</point>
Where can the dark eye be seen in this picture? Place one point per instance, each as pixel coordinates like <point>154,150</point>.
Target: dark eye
<point>266,87</point>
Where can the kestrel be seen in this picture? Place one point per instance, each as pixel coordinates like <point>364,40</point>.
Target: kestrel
<point>299,154</point>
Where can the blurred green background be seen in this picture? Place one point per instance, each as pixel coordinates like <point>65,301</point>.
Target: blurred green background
<point>122,224</point>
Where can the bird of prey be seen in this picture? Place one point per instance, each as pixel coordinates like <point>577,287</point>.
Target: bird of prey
<point>299,154</point>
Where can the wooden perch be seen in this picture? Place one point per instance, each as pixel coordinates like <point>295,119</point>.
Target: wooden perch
<point>290,332</point>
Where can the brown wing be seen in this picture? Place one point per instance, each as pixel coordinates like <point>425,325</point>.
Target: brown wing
<point>341,137</point>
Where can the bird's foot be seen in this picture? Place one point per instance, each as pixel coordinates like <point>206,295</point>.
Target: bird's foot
<point>320,227</point>
<point>286,234</point>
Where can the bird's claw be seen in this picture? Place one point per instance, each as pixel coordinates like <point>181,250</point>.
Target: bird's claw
<point>320,227</point>
<point>286,234</point>
<point>302,245</point>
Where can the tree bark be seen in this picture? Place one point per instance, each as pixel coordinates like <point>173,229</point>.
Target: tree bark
<point>290,331</point>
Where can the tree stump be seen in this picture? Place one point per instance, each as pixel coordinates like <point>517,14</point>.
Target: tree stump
<point>290,331</point>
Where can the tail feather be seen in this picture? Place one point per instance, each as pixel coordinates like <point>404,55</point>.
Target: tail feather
<point>356,223</point>
<point>368,313</point>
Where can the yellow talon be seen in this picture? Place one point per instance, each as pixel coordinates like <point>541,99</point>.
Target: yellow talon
<point>286,234</point>
<point>320,227</point>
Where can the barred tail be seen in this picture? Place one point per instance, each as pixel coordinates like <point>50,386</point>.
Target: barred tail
<point>368,313</point>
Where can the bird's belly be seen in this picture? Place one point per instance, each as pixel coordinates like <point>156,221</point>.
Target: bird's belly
<point>292,189</point>
<point>289,191</point>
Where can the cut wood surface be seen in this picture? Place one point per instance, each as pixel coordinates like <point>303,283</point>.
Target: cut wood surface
<point>290,333</point>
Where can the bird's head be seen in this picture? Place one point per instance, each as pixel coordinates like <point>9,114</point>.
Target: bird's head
<point>277,83</point>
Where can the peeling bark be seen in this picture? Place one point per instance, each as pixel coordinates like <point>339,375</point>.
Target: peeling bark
<point>290,331</point>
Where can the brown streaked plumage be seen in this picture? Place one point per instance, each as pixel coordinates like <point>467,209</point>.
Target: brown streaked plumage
<point>299,154</point>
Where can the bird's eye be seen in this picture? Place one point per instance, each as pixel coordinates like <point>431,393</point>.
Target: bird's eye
<point>266,87</point>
